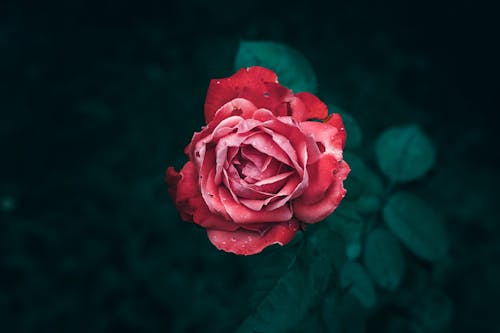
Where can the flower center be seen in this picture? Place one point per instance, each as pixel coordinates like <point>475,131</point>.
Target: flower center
<point>253,166</point>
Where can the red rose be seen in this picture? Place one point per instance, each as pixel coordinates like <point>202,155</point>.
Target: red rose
<point>262,166</point>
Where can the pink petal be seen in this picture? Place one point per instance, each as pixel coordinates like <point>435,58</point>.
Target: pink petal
<point>328,136</point>
<point>321,177</point>
<point>229,115</point>
<point>263,115</point>
<point>241,107</point>
<point>208,185</point>
<point>249,169</point>
<point>314,212</point>
<point>183,187</point>
<point>253,204</point>
<point>246,242</point>
<point>285,129</point>
<point>221,149</point>
<point>293,188</point>
<point>241,214</point>
<point>265,144</point>
<point>274,179</point>
<point>239,188</point>
<point>336,121</point>
<point>206,219</point>
<point>285,145</point>
<point>257,158</point>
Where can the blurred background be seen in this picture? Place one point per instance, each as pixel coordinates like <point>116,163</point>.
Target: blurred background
<point>97,98</point>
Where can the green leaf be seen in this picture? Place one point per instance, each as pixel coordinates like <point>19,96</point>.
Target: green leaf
<point>293,69</point>
<point>384,259</point>
<point>330,313</point>
<point>404,153</point>
<point>271,265</point>
<point>291,295</point>
<point>346,221</point>
<point>417,225</point>
<point>354,277</point>
<point>352,128</point>
<point>362,181</point>
<point>368,204</point>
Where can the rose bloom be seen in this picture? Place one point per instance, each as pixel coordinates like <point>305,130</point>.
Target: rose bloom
<point>267,163</point>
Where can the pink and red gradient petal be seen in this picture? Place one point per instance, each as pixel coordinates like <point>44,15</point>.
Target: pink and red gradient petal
<point>247,242</point>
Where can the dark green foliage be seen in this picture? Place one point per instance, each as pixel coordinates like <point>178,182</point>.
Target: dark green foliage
<point>384,259</point>
<point>292,68</point>
<point>288,286</point>
<point>363,185</point>
<point>287,297</point>
<point>354,277</point>
<point>354,133</point>
<point>347,222</point>
<point>433,309</point>
<point>417,225</point>
<point>404,153</point>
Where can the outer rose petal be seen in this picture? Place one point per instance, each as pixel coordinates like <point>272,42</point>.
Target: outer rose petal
<point>321,177</point>
<point>315,108</point>
<point>185,192</point>
<point>172,178</point>
<point>336,121</point>
<point>256,84</point>
<point>330,137</point>
<point>314,212</point>
<point>246,242</point>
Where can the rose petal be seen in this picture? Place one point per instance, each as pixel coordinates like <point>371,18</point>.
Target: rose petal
<point>314,107</point>
<point>235,107</point>
<point>277,95</point>
<point>265,144</point>
<point>257,158</point>
<point>241,214</point>
<point>263,115</point>
<point>261,228</point>
<point>221,149</point>
<point>209,186</point>
<point>328,136</point>
<point>239,188</point>
<point>253,204</point>
<point>206,219</point>
<point>336,121</point>
<point>321,177</point>
<point>183,187</point>
<point>247,83</point>
<point>246,242</point>
<point>315,212</point>
<point>285,129</point>
<point>293,188</point>
<point>285,145</point>
<point>181,199</point>
<point>230,115</point>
